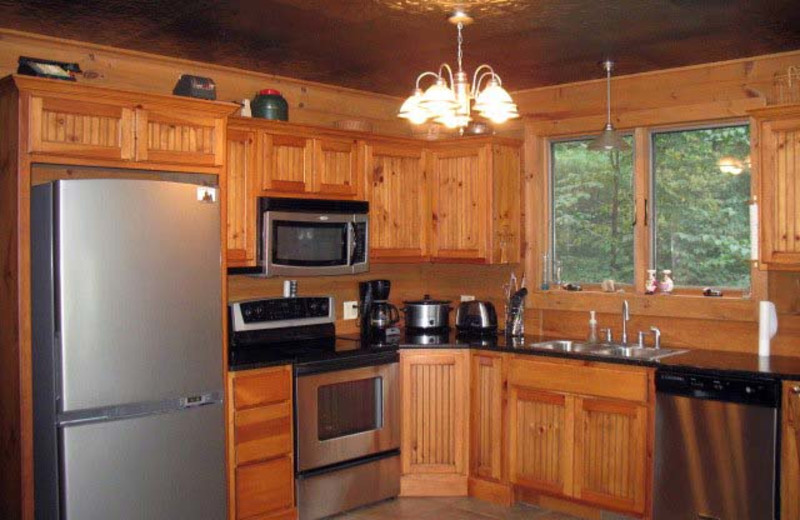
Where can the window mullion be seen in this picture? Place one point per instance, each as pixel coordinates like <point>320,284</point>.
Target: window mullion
<point>642,236</point>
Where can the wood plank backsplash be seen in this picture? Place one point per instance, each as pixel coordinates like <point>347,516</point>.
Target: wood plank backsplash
<point>409,281</point>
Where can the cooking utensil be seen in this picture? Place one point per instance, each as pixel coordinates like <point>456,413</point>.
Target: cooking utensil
<point>427,313</point>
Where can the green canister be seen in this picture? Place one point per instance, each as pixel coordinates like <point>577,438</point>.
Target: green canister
<point>269,104</point>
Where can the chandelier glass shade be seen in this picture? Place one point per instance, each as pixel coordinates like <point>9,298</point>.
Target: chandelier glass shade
<point>451,99</point>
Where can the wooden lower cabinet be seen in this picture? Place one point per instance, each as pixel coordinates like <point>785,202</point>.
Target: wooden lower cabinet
<point>592,448</point>
<point>790,452</point>
<point>487,430</point>
<point>435,400</point>
<point>260,455</point>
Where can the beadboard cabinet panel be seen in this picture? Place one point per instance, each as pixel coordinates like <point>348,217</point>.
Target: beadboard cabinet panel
<point>337,167</point>
<point>242,163</point>
<point>487,417</point>
<point>287,164</point>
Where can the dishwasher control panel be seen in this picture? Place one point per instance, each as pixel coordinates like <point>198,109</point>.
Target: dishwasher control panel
<point>758,392</point>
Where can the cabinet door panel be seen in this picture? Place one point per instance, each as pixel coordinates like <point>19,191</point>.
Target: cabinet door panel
<point>435,395</point>
<point>541,440</point>
<point>241,210</point>
<point>779,171</point>
<point>267,487</point>
<point>487,418</point>
<point>81,128</point>
<point>790,451</point>
<point>610,453</point>
<point>179,138</point>
<point>397,189</point>
<point>288,166</point>
<point>337,171</point>
<point>461,189</point>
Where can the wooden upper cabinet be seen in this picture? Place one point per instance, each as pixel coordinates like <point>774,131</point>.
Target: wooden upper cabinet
<point>506,225</point>
<point>288,164</point>
<point>776,151</point>
<point>80,128</point>
<point>173,136</point>
<point>610,453</point>
<point>396,188</point>
<point>487,444</point>
<point>241,181</point>
<point>460,185</point>
<point>337,169</point>
<point>790,451</point>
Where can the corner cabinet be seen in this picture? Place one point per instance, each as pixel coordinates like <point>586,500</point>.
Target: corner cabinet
<point>776,155</point>
<point>581,430</point>
<point>790,451</point>
<point>260,456</point>
<point>435,414</point>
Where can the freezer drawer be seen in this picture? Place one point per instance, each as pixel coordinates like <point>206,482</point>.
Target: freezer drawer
<point>167,466</point>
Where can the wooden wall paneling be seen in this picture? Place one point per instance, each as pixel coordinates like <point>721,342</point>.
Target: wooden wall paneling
<point>435,434</point>
<point>337,164</point>
<point>505,237</point>
<point>396,187</point>
<point>242,178</point>
<point>309,102</point>
<point>459,196</point>
<point>610,453</point>
<point>288,164</point>
<point>541,442</point>
<point>790,451</point>
<point>486,424</point>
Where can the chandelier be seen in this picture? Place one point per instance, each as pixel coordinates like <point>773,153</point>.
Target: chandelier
<point>449,100</point>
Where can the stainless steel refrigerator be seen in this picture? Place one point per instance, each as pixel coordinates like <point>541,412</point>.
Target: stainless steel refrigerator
<point>127,355</point>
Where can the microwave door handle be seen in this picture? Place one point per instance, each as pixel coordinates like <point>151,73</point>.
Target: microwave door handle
<point>351,239</point>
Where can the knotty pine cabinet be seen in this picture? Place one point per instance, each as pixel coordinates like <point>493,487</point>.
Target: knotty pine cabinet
<point>790,451</point>
<point>82,124</point>
<point>260,454</point>
<point>396,187</point>
<point>581,430</point>
<point>487,417</point>
<point>435,414</point>
<point>776,157</point>
<point>242,179</point>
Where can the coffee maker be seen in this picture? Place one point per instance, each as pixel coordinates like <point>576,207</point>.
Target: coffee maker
<point>377,317</point>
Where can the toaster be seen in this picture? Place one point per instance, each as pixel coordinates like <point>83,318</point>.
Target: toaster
<point>476,316</point>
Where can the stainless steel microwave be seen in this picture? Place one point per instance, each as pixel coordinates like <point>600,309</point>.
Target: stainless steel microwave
<point>307,237</point>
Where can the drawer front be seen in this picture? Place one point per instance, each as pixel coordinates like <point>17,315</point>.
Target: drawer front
<point>264,488</point>
<point>263,433</point>
<point>628,383</point>
<point>262,387</point>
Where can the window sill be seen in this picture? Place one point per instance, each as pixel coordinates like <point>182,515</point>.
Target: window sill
<point>693,306</point>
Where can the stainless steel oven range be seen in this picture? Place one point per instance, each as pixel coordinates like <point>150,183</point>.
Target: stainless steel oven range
<point>347,401</point>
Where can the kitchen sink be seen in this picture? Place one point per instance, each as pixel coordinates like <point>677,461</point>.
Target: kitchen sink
<point>643,353</point>
<point>607,350</point>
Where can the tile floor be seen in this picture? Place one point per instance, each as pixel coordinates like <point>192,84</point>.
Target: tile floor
<point>449,509</point>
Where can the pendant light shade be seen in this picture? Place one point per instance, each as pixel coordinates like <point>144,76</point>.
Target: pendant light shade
<point>609,139</point>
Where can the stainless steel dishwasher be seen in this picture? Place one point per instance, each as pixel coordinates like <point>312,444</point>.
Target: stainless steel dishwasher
<point>716,447</point>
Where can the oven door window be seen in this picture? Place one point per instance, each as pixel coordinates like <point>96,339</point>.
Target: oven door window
<point>309,244</point>
<point>349,407</point>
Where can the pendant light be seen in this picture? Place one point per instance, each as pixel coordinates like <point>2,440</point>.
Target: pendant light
<point>609,139</point>
<point>449,100</point>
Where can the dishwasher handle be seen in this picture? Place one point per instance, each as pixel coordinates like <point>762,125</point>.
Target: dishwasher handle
<point>731,389</point>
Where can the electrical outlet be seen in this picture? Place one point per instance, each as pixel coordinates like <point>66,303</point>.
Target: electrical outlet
<point>467,298</point>
<point>350,310</point>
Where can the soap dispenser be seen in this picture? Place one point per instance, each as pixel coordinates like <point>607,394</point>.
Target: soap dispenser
<point>592,338</point>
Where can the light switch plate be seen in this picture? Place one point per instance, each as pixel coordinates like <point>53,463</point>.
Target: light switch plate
<point>467,298</point>
<point>350,310</point>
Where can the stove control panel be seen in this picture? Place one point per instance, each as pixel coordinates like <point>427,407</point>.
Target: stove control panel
<point>270,313</point>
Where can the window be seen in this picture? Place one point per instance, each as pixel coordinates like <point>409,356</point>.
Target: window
<point>701,218</point>
<point>592,201</point>
<point>697,213</point>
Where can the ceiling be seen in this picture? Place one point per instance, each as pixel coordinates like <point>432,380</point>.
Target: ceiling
<point>381,45</point>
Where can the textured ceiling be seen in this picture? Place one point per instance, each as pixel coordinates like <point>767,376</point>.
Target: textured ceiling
<point>381,45</point>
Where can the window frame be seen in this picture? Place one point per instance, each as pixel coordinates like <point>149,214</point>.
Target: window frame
<point>644,195</point>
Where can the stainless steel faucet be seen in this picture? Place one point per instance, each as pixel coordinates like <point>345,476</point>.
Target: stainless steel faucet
<point>656,336</point>
<point>626,316</point>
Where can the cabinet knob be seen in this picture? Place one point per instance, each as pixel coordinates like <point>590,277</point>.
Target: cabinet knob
<point>796,390</point>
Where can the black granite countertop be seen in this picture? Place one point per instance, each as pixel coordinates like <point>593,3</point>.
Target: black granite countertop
<point>695,360</point>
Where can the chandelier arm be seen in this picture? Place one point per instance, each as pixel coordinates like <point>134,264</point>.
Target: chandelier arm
<point>424,74</point>
<point>476,80</point>
<point>445,66</point>
<point>481,78</point>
